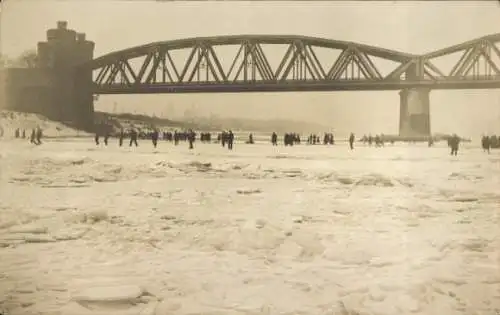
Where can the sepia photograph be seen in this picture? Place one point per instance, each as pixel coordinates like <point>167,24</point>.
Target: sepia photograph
<point>249,157</point>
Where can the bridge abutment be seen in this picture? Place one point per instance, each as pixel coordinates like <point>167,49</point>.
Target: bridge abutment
<point>414,112</point>
<point>54,88</point>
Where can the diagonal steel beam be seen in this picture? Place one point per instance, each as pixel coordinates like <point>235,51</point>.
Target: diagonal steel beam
<point>172,63</point>
<point>206,55</point>
<point>494,47</point>
<point>465,61</point>
<point>251,60</point>
<point>283,61</point>
<point>261,63</point>
<point>129,68</point>
<point>257,63</point>
<point>490,62</point>
<point>471,63</point>
<point>429,74</point>
<point>432,67</point>
<point>460,62</point>
<point>102,74</point>
<point>373,66</point>
<point>338,63</point>
<point>144,67</point>
<point>361,67</point>
<point>291,63</point>
<point>309,63</point>
<point>260,54</point>
<point>165,71</point>
<point>188,63</point>
<point>113,73</point>
<point>321,69</point>
<point>196,65</point>
<point>218,64</point>
<point>310,59</point>
<point>364,67</point>
<point>156,62</point>
<point>368,66</point>
<point>343,70</point>
<point>481,51</point>
<point>235,60</point>
<point>123,74</point>
<point>305,63</point>
<point>399,71</point>
<point>243,64</point>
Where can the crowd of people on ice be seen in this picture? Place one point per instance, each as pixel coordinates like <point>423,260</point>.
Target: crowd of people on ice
<point>35,137</point>
<point>227,137</point>
<point>490,142</point>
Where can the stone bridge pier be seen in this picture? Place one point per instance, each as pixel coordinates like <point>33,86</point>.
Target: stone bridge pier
<point>414,112</point>
<point>414,105</point>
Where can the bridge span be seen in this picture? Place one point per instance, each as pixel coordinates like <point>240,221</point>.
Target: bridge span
<point>265,63</point>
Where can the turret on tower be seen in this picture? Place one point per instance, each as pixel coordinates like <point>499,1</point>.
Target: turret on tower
<point>64,48</point>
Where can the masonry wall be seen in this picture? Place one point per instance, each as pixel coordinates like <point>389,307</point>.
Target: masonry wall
<point>29,90</point>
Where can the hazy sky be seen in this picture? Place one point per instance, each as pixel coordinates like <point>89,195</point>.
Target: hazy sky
<point>415,27</point>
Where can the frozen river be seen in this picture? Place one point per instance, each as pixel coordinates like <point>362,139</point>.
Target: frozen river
<point>398,230</point>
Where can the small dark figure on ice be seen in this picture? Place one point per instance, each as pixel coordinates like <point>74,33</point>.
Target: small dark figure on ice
<point>120,137</point>
<point>351,141</point>
<point>39,135</point>
<point>36,136</point>
<point>33,136</point>
<point>176,137</point>
<point>486,144</point>
<point>106,137</point>
<point>274,138</point>
<point>191,138</point>
<point>454,143</point>
<point>230,140</point>
<point>133,137</point>
<point>250,139</point>
<point>154,137</point>
<point>223,138</point>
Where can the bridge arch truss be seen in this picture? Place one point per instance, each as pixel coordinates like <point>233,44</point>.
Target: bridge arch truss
<point>289,63</point>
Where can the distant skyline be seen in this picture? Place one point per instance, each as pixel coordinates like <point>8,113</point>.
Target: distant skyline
<point>412,27</point>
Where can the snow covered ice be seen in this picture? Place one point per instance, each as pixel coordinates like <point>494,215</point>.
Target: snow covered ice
<point>403,229</point>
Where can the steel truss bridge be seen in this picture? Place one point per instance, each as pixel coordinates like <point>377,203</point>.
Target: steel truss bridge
<point>256,64</point>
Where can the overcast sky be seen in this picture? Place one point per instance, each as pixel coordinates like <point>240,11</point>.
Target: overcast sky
<point>415,27</point>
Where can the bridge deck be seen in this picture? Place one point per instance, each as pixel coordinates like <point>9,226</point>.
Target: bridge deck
<point>294,86</point>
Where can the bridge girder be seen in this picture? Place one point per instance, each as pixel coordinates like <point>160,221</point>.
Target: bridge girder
<point>478,58</point>
<point>353,68</point>
<point>137,51</point>
<point>251,63</point>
